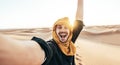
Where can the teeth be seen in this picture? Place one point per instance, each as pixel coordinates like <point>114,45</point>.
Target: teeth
<point>63,36</point>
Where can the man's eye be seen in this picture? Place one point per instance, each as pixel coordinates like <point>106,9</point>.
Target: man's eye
<point>59,27</point>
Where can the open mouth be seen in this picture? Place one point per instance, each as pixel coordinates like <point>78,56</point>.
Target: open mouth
<point>63,34</point>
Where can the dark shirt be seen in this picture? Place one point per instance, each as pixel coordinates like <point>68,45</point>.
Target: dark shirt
<point>54,55</point>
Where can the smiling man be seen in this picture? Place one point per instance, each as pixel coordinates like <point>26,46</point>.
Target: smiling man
<point>62,32</point>
<point>60,50</point>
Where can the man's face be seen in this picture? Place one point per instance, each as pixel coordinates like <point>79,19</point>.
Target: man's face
<point>62,32</point>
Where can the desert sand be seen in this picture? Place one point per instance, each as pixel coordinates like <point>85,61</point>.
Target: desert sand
<point>96,45</point>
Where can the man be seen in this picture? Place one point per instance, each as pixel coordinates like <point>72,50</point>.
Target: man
<point>58,51</point>
<point>61,50</point>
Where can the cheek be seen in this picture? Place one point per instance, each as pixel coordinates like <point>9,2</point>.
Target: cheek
<point>68,32</point>
<point>57,31</point>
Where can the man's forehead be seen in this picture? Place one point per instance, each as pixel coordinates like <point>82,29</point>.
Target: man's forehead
<point>61,25</point>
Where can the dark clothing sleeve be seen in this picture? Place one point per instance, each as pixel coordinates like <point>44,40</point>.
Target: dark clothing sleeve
<point>78,26</point>
<point>48,50</point>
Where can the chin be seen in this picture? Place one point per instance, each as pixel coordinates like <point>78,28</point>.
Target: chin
<point>63,41</point>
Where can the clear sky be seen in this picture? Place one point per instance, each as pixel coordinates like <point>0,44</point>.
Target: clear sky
<point>43,13</point>
<point>102,12</point>
<point>34,13</point>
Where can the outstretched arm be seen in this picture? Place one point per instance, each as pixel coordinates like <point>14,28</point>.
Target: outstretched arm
<point>14,52</point>
<point>79,12</point>
<point>78,24</point>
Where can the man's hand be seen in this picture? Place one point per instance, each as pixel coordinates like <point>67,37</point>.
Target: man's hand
<point>79,13</point>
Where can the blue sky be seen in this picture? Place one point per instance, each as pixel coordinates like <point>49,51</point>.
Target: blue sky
<point>43,13</point>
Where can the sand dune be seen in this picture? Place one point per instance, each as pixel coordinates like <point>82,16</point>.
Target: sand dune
<point>96,45</point>
<point>93,53</point>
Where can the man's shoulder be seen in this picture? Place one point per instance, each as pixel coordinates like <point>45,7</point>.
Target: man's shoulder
<point>51,43</point>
